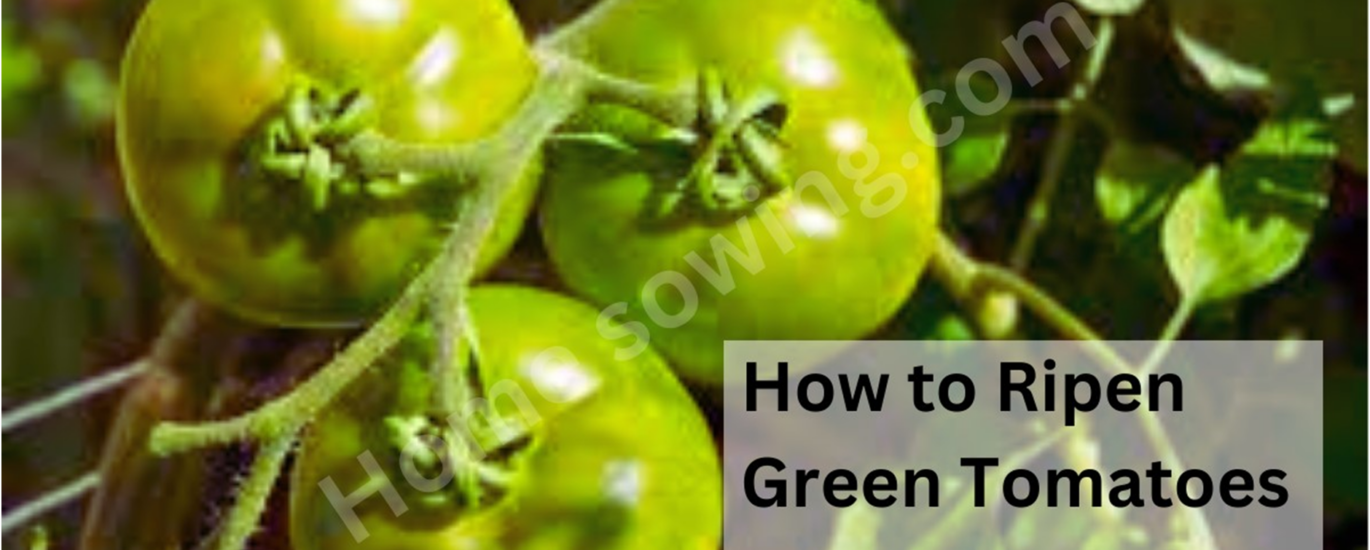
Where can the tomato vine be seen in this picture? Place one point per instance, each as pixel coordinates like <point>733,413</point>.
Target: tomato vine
<point>563,86</point>
<point>324,142</point>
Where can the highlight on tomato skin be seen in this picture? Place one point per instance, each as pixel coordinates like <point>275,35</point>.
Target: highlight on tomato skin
<point>608,454</point>
<point>827,220</point>
<point>252,208</point>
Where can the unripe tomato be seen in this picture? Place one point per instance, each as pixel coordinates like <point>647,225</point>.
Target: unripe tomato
<point>203,80</point>
<point>828,266</point>
<point>615,454</point>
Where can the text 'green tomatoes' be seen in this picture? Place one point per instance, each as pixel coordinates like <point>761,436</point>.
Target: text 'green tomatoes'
<point>838,214</point>
<point>252,212</point>
<point>597,453</point>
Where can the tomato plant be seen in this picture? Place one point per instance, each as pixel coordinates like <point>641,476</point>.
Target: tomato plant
<point>255,214</point>
<point>824,138</point>
<point>714,170</point>
<point>609,454</point>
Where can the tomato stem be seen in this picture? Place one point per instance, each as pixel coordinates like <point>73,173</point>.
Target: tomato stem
<point>969,280</point>
<point>1058,150</point>
<point>566,85</point>
<point>303,145</point>
<point>966,278</point>
<point>492,166</point>
<point>958,518</point>
<point>1178,319</point>
<point>287,413</point>
<point>253,493</point>
<point>494,163</point>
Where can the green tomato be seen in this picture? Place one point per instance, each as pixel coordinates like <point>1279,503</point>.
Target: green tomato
<point>808,264</point>
<point>202,79</point>
<point>614,454</point>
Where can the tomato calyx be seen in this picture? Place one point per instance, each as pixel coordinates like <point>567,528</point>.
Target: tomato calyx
<point>739,156</point>
<point>299,152</point>
<point>712,170</point>
<point>456,478</point>
<point>453,462</point>
<point>299,146</point>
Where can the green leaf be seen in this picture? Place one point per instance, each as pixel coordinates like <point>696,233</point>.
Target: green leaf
<point>90,91</point>
<point>1240,227</point>
<point>19,72</point>
<point>1220,71</point>
<point>1110,7</point>
<point>1135,183</point>
<point>1299,44</point>
<point>38,538</point>
<point>1294,138</point>
<point>618,127</point>
<point>1044,527</point>
<point>1215,255</point>
<point>972,159</point>
<point>857,528</point>
<point>952,326</point>
<point>1116,536</point>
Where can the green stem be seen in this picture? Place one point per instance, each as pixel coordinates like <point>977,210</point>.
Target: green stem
<point>565,84</point>
<point>376,153</point>
<point>253,493</point>
<point>495,163</point>
<point>491,167</point>
<point>557,95</point>
<point>565,37</point>
<point>1058,150</point>
<point>971,281</point>
<point>964,277</point>
<point>673,107</point>
<point>1037,300</point>
<point>287,414</point>
<point>564,48</point>
<point>1062,107</point>
<point>856,528</point>
<point>1037,106</point>
<point>1178,319</point>
<point>1201,534</point>
<point>958,518</point>
<point>449,372</point>
<point>994,313</point>
<point>1054,314</point>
